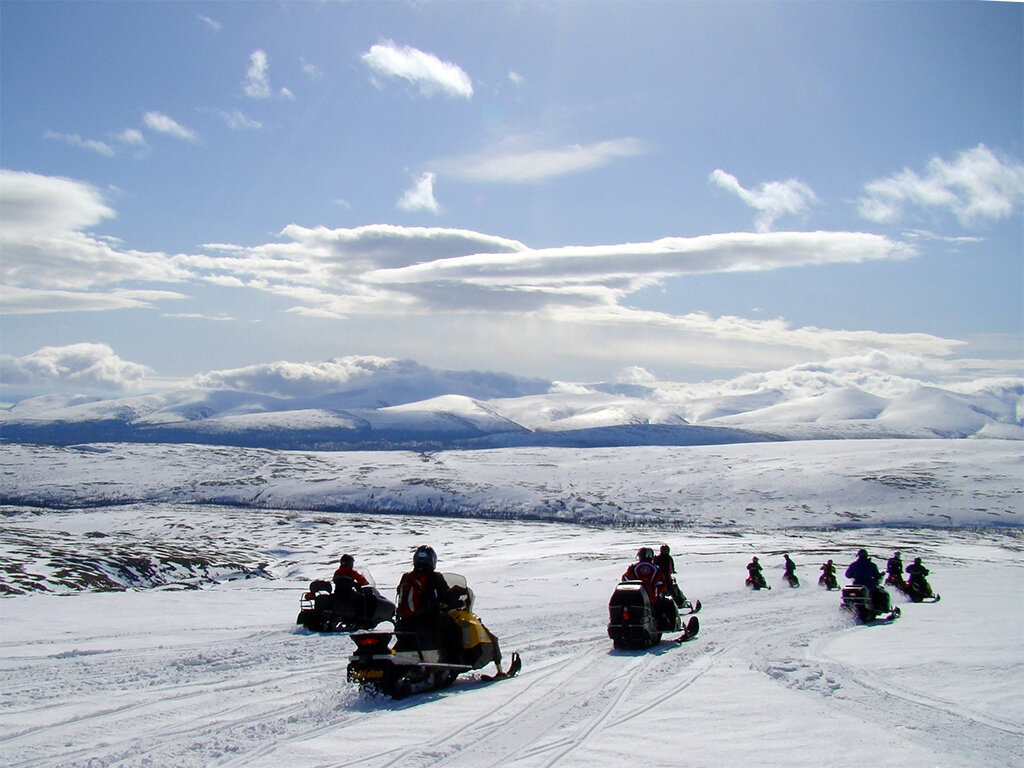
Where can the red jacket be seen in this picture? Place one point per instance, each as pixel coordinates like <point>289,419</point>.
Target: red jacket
<point>650,575</point>
<point>348,572</point>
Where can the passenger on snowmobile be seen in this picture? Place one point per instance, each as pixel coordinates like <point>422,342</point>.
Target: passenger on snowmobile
<point>894,570</point>
<point>349,599</point>
<point>917,582</point>
<point>755,577</point>
<point>423,601</point>
<point>790,572</point>
<point>668,568</point>
<point>864,573</point>
<point>656,584</point>
<point>828,576</point>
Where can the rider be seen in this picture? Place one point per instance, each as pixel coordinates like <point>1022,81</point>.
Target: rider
<point>917,573</point>
<point>423,601</point>
<point>790,572</point>
<point>828,574</point>
<point>646,571</point>
<point>347,584</point>
<point>668,567</point>
<point>894,568</point>
<point>864,573</point>
<point>756,576</point>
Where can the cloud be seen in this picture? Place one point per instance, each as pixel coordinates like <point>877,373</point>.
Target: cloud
<point>772,199</point>
<point>512,163</point>
<point>161,123</point>
<point>376,380</point>
<point>132,137</point>
<point>210,23</point>
<point>48,257</point>
<point>79,366</point>
<point>313,72</point>
<point>978,185</point>
<point>420,197</point>
<point>237,120</point>
<point>423,70</point>
<point>75,140</point>
<point>257,81</point>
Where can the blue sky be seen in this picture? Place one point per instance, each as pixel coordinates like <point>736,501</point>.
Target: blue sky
<point>564,190</point>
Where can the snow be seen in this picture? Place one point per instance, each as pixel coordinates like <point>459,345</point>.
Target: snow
<point>160,583</point>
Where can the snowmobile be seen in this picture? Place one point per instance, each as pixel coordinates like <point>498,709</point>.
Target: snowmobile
<point>918,590</point>
<point>828,580</point>
<point>635,623</point>
<point>792,579</point>
<point>397,664</point>
<point>345,609</point>
<point>756,582</point>
<point>867,605</point>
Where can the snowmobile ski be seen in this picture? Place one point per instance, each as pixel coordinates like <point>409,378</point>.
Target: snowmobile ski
<point>693,608</point>
<point>690,631</point>
<point>513,669</point>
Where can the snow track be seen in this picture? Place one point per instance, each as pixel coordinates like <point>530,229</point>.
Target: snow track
<point>220,676</point>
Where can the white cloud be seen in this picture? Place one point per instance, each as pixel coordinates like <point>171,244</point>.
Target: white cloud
<point>772,199</point>
<point>50,263</point>
<point>424,70</point>
<point>511,162</point>
<point>257,81</point>
<point>132,137</point>
<point>313,72</point>
<point>978,185</point>
<point>237,120</point>
<point>93,145</point>
<point>161,123</point>
<point>210,23</point>
<point>420,197</point>
<point>81,366</point>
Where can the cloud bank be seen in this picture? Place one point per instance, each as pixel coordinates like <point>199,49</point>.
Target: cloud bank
<point>91,367</point>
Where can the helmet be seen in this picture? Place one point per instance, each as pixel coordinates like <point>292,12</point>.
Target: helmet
<point>829,562</point>
<point>665,550</point>
<point>425,559</point>
<point>346,560</point>
<point>917,561</point>
<point>754,560</point>
<point>645,554</point>
<point>896,553</point>
<point>862,554</point>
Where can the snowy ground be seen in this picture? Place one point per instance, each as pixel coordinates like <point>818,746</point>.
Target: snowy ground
<point>221,675</point>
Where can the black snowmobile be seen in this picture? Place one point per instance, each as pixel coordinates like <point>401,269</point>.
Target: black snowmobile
<point>634,623</point>
<point>918,590</point>
<point>868,605</point>
<point>756,582</point>
<point>346,608</point>
<point>398,664</point>
<point>828,580</point>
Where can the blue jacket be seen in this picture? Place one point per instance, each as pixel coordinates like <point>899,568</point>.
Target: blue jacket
<point>864,572</point>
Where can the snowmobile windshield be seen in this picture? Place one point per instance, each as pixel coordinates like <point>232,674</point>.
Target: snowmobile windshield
<point>368,576</point>
<point>454,580</point>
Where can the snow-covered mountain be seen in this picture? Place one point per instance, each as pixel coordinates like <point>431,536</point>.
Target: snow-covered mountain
<point>374,403</point>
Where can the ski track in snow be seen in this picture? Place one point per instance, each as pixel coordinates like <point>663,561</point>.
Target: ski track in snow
<point>218,674</point>
<point>270,694</point>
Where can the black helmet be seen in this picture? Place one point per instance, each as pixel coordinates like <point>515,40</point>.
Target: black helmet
<point>645,554</point>
<point>665,550</point>
<point>862,554</point>
<point>896,553</point>
<point>917,561</point>
<point>754,560</point>
<point>346,560</point>
<point>829,562</point>
<point>425,559</point>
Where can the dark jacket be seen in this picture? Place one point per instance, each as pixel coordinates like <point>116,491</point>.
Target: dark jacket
<point>864,572</point>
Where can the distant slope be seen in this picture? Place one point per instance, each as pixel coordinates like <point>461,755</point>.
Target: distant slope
<point>401,405</point>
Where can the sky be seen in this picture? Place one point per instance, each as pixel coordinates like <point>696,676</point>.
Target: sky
<point>587,191</point>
